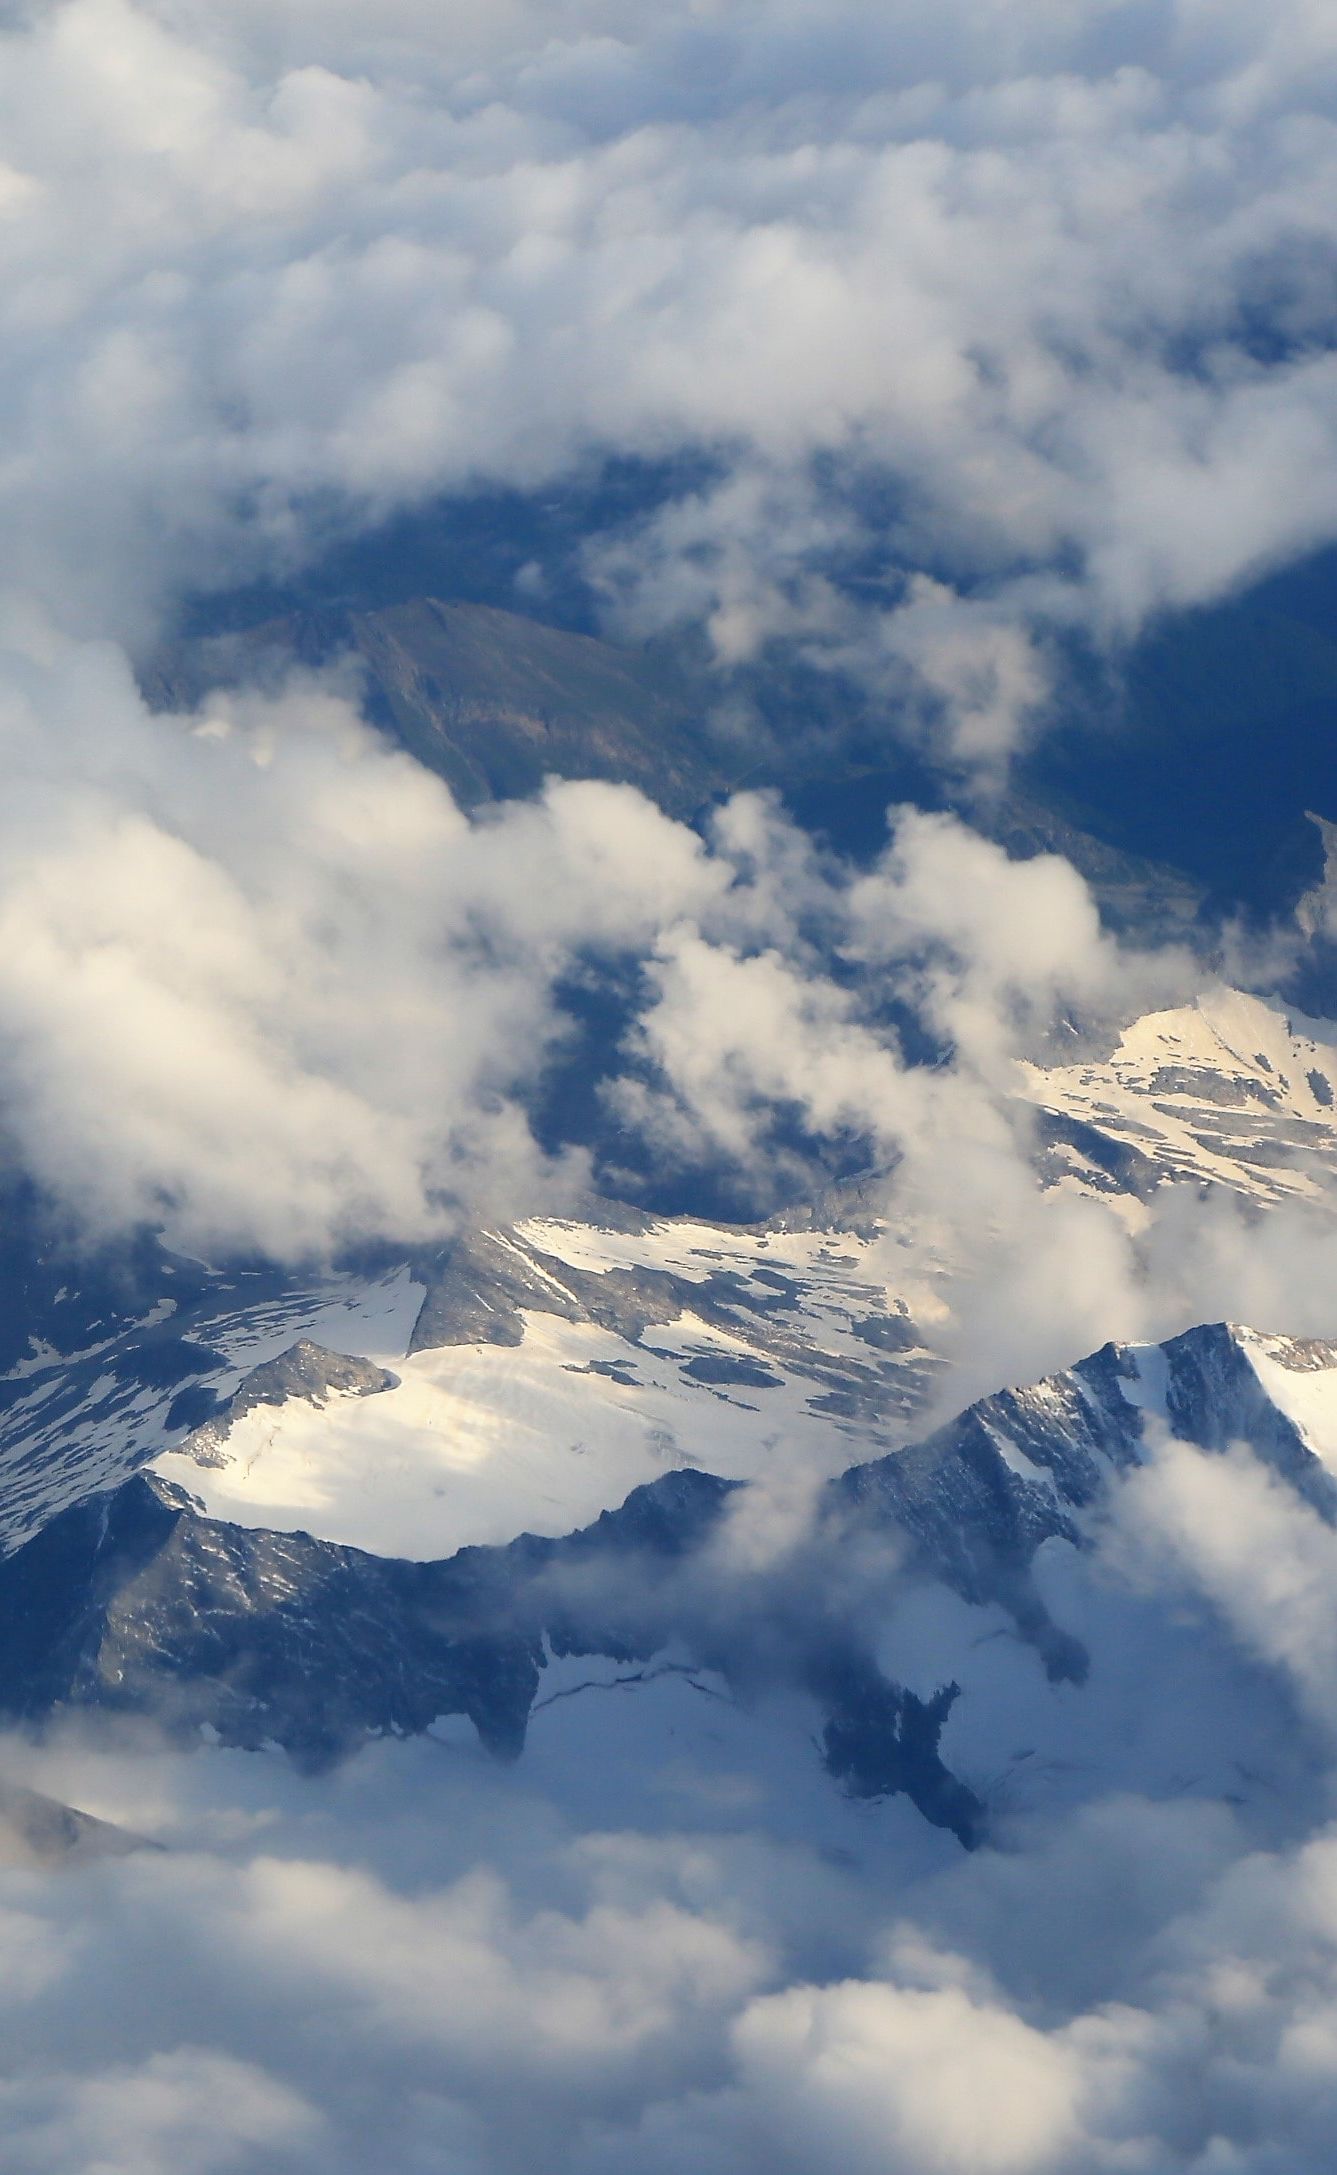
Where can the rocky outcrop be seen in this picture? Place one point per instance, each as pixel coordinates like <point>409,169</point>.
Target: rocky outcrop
<point>306,1372</point>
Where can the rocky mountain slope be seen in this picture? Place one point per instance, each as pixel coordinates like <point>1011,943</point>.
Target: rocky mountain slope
<point>491,700</point>
<point>39,1833</point>
<point>495,701</point>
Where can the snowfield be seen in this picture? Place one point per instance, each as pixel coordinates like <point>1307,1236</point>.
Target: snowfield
<point>479,1442</point>
<point>1230,1091</point>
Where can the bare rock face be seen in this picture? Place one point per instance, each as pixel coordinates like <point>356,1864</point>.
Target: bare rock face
<point>483,1283</point>
<point>493,701</point>
<point>481,1287</point>
<point>305,1371</point>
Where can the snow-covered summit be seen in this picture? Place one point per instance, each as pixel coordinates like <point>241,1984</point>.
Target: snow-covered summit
<point>1231,1090</point>
<point>555,1366</point>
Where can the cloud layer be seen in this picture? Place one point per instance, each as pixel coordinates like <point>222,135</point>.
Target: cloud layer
<point>671,1945</point>
<point>1022,313</point>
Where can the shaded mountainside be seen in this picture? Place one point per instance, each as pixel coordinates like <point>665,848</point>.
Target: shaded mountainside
<point>1147,900</point>
<point>135,1604</point>
<point>1211,740</point>
<point>1176,777</point>
<point>492,701</point>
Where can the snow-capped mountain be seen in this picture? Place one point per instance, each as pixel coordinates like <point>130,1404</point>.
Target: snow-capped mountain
<point>526,1378</point>
<point>523,1378</point>
<point>95,1395</point>
<point>542,1371</point>
<point>473,1492</point>
<point>1231,1091</point>
<point>948,1622</point>
<point>553,1367</point>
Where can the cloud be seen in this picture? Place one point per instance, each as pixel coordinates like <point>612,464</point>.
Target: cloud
<point>286,1987</point>
<point>265,988</point>
<point>187,2109</point>
<point>1255,1551</point>
<point>263,985</point>
<point>944,2081</point>
<point>1019,312</point>
<point>416,1960</point>
<point>750,1022</point>
<point>915,298</point>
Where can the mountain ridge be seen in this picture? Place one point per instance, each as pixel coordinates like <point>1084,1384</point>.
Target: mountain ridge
<point>138,1603</point>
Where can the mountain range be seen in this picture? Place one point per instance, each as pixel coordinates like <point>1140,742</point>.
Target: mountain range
<point>511,1476</point>
<point>477,1490</point>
